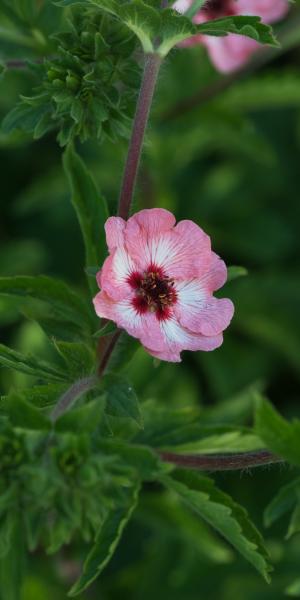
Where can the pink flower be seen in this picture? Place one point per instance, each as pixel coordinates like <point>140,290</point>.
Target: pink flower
<point>233,51</point>
<point>157,283</point>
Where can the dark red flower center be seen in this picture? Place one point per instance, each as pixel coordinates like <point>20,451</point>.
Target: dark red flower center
<point>218,8</point>
<point>154,291</point>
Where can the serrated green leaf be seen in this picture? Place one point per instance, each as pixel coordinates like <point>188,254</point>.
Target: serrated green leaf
<point>223,514</point>
<point>174,29</point>
<point>280,436</point>
<point>250,26</point>
<point>143,20</point>
<point>170,517</point>
<point>90,207</point>
<point>30,365</point>
<point>283,502</point>
<point>160,30</point>
<point>12,565</point>
<point>23,414</point>
<point>78,358</point>
<point>41,396</point>
<point>63,303</point>
<point>107,540</point>
<point>121,399</point>
<point>145,461</point>
<point>163,425</point>
<point>84,419</point>
<point>24,117</point>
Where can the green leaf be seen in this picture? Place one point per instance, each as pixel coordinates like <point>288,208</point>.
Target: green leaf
<point>90,207</point>
<point>24,117</point>
<point>12,565</point>
<point>249,26</point>
<point>279,436</point>
<point>228,441</point>
<point>107,329</point>
<point>174,29</point>
<point>143,20</point>
<point>107,540</point>
<point>294,589</point>
<point>194,8</point>
<point>145,462</point>
<point>160,30</point>
<point>283,502</point>
<point>123,352</point>
<point>23,414</point>
<point>163,424</point>
<point>235,272</point>
<point>222,513</point>
<point>78,358</point>
<point>84,419</point>
<point>168,517</point>
<point>30,365</point>
<point>294,526</point>
<point>121,399</point>
<point>63,303</point>
<point>42,396</point>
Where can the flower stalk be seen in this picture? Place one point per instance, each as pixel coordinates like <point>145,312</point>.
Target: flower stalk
<point>151,69</point>
<point>68,399</point>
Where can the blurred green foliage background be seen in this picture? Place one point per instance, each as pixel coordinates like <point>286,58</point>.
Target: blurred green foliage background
<point>232,165</point>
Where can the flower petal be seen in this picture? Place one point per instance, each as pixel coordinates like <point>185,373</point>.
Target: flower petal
<point>144,326</point>
<point>168,355</point>
<point>113,277</point>
<point>151,221</point>
<point>184,251</point>
<point>114,229</point>
<point>200,312</point>
<point>268,10</point>
<point>216,276</point>
<point>179,338</point>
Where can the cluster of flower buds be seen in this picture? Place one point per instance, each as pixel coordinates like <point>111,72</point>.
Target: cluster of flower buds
<point>88,88</point>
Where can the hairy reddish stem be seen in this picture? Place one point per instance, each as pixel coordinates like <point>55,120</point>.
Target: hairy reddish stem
<point>151,69</point>
<point>68,399</point>
<point>221,462</point>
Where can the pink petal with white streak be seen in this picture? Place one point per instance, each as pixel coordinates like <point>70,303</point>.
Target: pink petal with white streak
<point>145,327</point>
<point>199,311</point>
<point>184,250</point>
<point>114,229</point>
<point>115,272</point>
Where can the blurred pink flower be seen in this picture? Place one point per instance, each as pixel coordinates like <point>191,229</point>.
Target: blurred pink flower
<point>157,284</point>
<point>233,51</point>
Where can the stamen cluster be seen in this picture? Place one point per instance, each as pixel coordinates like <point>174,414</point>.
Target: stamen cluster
<point>154,292</point>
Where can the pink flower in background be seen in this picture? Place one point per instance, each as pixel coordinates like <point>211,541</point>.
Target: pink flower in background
<point>158,281</point>
<point>233,51</point>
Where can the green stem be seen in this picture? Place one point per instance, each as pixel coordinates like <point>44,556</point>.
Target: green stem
<point>9,35</point>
